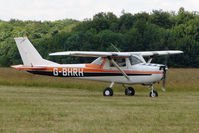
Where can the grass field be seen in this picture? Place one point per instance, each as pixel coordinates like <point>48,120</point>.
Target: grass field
<point>67,110</point>
<point>30,103</point>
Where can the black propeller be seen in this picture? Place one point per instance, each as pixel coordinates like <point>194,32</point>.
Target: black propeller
<point>164,72</point>
<point>164,68</point>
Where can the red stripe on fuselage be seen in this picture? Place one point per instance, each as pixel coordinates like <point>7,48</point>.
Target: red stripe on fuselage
<point>90,68</point>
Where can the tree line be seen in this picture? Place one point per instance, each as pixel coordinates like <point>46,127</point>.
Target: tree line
<point>143,31</point>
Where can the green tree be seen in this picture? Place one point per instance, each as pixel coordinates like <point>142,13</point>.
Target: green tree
<point>162,19</point>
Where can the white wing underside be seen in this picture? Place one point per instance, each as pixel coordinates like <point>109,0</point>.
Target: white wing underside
<point>116,54</point>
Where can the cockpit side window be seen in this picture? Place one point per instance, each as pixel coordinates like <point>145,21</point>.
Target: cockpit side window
<point>135,60</point>
<point>120,61</point>
<point>98,61</point>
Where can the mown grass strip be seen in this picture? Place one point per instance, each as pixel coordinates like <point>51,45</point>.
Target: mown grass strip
<point>45,110</point>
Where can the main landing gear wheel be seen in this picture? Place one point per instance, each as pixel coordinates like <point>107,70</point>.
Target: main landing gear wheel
<point>153,94</point>
<point>108,92</point>
<point>130,91</point>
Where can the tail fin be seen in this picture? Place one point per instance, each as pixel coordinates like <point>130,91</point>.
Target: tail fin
<point>29,54</point>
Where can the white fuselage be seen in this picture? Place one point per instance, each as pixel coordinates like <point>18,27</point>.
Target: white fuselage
<point>141,73</point>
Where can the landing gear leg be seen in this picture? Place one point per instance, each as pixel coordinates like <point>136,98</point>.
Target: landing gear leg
<point>108,91</point>
<point>129,91</point>
<point>153,93</point>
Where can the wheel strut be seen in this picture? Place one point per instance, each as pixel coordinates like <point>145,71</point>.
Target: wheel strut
<point>111,85</point>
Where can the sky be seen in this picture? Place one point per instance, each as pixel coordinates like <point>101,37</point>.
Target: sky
<point>51,10</point>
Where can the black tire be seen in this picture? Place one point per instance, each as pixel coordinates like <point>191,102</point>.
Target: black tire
<point>155,94</point>
<point>108,92</point>
<point>130,91</point>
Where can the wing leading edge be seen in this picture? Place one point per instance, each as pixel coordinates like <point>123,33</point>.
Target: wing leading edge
<point>112,54</point>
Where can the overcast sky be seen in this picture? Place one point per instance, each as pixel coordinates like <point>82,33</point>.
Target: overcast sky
<point>81,9</point>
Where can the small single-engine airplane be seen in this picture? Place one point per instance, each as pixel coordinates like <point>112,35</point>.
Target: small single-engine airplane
<point>114,67</point>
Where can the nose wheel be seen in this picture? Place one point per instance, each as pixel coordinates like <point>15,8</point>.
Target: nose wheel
<point>153,93</point>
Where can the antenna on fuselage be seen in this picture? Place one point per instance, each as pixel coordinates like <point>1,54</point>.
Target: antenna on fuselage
<point>115,47</point>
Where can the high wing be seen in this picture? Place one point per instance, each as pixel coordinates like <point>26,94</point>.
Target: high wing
<point>111,55</point>
<point>115,54</point>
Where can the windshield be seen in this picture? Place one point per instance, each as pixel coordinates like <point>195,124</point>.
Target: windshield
<point>135,60</point>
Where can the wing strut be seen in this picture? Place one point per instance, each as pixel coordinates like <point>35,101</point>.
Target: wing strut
<point>150,59</point>
<point>117,66</point>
